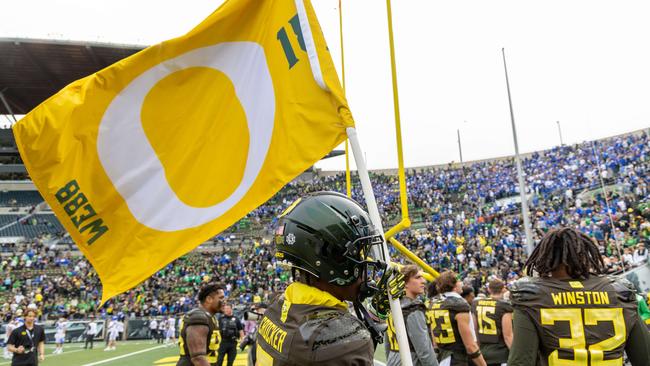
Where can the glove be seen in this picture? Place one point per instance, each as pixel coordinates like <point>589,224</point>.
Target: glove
<point>392,282</point>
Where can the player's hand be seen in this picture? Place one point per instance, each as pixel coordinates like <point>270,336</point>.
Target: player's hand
<point>392,282</point>
<point>41,357</point>
<point>20,350</point>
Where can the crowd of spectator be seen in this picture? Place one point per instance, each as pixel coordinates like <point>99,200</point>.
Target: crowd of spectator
<point>465,217</point>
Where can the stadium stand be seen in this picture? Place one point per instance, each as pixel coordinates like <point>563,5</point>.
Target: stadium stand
<point>20,198</point>
<point>32,226</point>
<point>466,217</point>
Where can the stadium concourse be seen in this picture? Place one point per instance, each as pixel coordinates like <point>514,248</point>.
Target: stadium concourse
<point>465,218</point>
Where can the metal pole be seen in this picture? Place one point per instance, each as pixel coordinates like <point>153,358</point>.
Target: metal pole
<point>398,123</point>
<point>373,212</point>
<point>559,130</point>
<point>609,212</point>
<point>348,177</point>
<point>4,101</point>
<point>460,149</point>
<point>8,119</point>
<point>520,173</point>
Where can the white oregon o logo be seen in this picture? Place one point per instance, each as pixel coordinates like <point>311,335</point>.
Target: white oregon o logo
<point>130,161</point>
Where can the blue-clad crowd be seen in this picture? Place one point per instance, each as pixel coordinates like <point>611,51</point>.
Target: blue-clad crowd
<point>465,217</point>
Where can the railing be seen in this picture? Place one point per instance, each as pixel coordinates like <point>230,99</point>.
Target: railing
<point>640,277</point>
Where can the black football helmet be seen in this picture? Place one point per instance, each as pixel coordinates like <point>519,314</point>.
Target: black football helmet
<point>331,237</point>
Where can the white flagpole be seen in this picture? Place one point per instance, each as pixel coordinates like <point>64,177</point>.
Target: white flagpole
<point>373,212</point>
<point>520,172</point>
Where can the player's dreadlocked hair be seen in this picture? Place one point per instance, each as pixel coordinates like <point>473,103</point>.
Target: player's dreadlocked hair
<point>567,246</point>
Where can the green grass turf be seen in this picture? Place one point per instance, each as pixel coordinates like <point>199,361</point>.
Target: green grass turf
<point>379,353</point>
<point>152,355</point>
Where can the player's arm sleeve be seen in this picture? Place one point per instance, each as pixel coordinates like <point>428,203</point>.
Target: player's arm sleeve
<point>418,334</point>
<point>525,343</point>
<point>345,342</point>
<point>637,346</point>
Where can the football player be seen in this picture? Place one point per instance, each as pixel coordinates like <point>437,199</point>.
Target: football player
<point>199,335</point>
<point>452,329</point>
<point>570,314</point>
<point>113,333</point>
<point>59,336</point>
<point>326,238</point>
<point>493,318</point>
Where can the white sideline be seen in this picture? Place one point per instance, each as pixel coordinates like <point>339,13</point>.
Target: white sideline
<point>123,356</point>
<point>47,356</point>
<point>377,363</point>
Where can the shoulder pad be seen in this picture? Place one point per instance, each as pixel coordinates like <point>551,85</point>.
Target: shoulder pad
<point>333,327</point>
<point>504,301</point>
<point>505,304</point>
<point>457,304</point>
<point>314,321</point>
<point>524,290</point>
<point>197,317</point>
<point>415,305</point>
<point>624,289</point>
<point>434,300</point>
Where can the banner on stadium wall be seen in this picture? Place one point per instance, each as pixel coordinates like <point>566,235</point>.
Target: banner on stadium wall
<point>151,156</point>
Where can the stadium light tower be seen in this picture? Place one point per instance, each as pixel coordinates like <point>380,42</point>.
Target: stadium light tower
<point>520,173</point>
<point>559,130</point>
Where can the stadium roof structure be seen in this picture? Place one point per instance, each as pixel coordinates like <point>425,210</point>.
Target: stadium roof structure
<point>32,70</point>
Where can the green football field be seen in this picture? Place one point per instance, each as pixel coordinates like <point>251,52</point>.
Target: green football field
<point>133,353</point>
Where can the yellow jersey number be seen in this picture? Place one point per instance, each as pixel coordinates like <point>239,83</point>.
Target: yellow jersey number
<point>445,327</point>
<point>486,325</point>
<point>577,341</point>
<point>181,341</point>
<point>215,338</point>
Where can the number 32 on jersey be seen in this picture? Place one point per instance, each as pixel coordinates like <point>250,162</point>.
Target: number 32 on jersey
<point>577,342</point>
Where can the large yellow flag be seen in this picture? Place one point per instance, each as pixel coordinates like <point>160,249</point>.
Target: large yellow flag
<point>148,158</point>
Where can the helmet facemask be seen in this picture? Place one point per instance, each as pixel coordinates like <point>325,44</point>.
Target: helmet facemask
<point>360,252</point>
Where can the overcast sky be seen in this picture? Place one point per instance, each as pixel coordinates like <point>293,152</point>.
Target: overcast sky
<point>583,63</point>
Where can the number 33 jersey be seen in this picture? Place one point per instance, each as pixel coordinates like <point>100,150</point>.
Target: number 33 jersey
<point>578,322</point>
